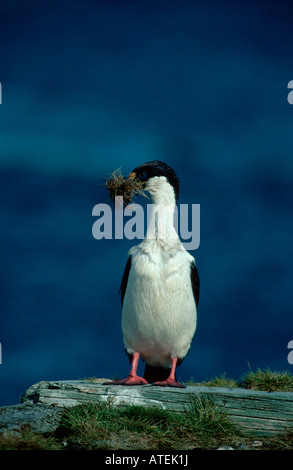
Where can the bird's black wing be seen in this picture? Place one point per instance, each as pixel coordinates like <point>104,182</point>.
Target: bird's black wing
<point>123,286</point>
<point>195,282</point>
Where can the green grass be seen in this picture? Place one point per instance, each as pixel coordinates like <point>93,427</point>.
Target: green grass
<point>264,380</point>
<point>267,380</point>
<point>28,440</point>
<point>221,381</point>
<point>94,426</point>
<point>280,442</point>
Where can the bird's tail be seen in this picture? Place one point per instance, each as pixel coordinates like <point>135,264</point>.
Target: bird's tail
<point>156,373</point>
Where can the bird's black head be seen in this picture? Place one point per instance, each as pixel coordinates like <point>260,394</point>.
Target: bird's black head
<point>148,170</point>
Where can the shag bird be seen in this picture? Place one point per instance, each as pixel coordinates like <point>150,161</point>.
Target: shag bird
<point>159,288</point>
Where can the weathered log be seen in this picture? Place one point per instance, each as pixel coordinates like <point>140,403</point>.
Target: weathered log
<point>256,414</point>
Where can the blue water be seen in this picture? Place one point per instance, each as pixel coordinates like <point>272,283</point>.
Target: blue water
<point>90,86</point>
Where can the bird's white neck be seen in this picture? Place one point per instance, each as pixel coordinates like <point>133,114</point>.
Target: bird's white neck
<point>161,223</point>
<point>161,191</point>
<point>161,216</point>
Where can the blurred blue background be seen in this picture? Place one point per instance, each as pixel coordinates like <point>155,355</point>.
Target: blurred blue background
<point>90,86</point>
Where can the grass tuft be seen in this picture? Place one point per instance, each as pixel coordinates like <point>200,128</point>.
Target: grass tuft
<point>267,380</point>
<point>100,425</point>
<point>210,423</point>
<point>281,442</point>
<point>221,381</point>
<point>28,440</point>
<point>263,380</point>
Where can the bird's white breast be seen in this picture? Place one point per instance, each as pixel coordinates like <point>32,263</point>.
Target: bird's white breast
<point>159,311</point>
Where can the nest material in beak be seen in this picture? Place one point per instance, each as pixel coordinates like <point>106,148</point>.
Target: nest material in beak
<point>118,185</point>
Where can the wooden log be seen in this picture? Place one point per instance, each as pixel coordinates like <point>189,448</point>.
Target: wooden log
<point>255,413</point>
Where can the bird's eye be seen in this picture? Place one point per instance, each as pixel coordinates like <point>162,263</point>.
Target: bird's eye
<point>142,176</point>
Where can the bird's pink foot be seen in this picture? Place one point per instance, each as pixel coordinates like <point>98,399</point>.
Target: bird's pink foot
<point>130,380</point>
<point>133,378</point>
<point>169,383</point>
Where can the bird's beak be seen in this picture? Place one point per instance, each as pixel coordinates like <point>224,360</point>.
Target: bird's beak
<point>140,185</point>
